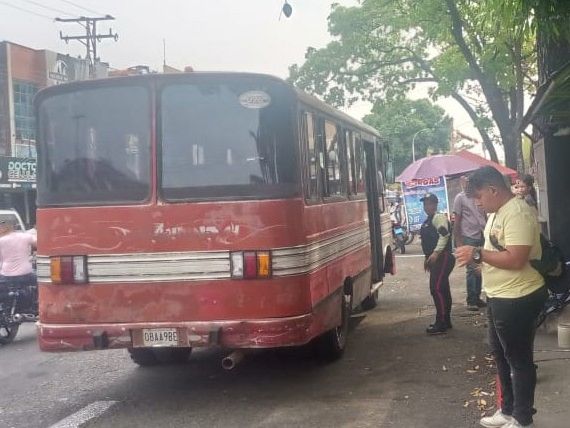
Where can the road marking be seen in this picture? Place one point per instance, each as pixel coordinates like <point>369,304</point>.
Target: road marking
<point>84,415</point>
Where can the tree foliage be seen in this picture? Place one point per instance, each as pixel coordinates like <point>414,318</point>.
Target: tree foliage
<point>400,120</point>
<point>382,49</point>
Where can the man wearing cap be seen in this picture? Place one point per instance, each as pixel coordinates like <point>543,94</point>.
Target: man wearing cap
<point>436,245</point>
<point>470,222</point>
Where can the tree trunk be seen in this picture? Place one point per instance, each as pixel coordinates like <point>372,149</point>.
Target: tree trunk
<point>552,54</point>
<point>510,146</point>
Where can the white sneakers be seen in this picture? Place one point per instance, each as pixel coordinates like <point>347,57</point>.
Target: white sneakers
<point>499,420</point>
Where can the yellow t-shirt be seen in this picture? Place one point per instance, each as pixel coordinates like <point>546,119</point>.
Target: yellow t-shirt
<point>513,224</point>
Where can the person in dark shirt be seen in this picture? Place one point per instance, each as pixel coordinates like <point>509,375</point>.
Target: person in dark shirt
<point>439,262</point>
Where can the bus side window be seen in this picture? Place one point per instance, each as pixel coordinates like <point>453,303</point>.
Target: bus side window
<point>360,165</point>
<point>310,147</point>
<point>349,141</point>
<point>333,160</point>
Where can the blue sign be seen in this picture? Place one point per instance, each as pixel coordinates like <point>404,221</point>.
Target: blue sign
<point>414,190</point>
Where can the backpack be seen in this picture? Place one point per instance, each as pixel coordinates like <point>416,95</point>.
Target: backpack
<point>552,266</point>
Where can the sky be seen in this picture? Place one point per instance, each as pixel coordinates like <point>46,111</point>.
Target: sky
<point>228,35</point>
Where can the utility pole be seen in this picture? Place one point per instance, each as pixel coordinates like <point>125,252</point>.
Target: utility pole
<point>91,38</point>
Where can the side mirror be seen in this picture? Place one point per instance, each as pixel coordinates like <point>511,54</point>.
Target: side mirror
<point>287,9</point>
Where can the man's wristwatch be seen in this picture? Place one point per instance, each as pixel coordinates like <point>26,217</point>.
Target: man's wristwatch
<point>477,255</point>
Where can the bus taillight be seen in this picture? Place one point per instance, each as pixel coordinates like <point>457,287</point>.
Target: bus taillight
<point>68,270</point>
<point>251,264</point>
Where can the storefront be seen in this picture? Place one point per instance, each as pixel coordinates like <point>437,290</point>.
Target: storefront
<point>550,116</point>
<point>18,187</point>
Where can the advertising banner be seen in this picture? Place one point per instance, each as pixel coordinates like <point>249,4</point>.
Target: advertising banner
<point>414,190</point>
<point>17,173</point>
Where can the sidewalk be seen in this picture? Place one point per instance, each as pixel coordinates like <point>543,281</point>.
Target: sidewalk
<point>449,380</point>
<point>553,385</point>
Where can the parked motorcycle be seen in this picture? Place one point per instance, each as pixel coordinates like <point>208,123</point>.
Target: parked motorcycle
<point>399,235</point>
<point>18,304</point>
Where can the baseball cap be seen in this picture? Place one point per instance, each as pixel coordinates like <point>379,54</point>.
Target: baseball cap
<point>429,197</point>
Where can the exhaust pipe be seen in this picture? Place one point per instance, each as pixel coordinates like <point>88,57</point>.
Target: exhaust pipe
<point>232,360</point>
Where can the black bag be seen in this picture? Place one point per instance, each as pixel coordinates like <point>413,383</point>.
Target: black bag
<point>552,266</point>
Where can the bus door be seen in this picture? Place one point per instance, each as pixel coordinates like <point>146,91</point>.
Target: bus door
<point>373,195</point>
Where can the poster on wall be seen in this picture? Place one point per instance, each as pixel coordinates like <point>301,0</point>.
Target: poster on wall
<point>414,190</point>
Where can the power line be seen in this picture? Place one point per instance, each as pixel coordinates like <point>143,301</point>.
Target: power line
<point>53,9</point>
<point>90,38</point>
<point>81,7</point>
<point>21,9</point>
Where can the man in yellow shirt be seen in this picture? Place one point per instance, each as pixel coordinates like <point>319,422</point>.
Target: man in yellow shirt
<point>436,245</point>
<point>515,292</point>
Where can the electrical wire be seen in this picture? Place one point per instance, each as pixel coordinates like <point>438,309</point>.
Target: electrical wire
<point>53,9</point>
<point>13,6</point>
<point>81,7</point>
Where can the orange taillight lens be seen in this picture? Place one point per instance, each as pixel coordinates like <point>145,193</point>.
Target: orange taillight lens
<point>263,264</point>
<point>69,270</point>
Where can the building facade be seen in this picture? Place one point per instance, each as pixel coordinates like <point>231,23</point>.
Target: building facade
<point>23,72</point>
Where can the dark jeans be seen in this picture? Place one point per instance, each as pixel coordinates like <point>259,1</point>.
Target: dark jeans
<point>439,286</point>
<point>473,279</point>
<point>511,336</point>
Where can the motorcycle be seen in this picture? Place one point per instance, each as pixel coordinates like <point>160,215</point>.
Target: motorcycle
<point>400,237</point>
<point>399,231</point>
<point>18,304</point>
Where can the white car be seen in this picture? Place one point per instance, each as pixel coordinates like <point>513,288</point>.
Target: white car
<point>14,218</point>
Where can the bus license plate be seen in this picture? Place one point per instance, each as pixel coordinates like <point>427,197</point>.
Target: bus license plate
<point>160,337</point>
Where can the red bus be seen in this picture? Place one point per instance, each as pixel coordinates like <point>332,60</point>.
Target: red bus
<point>204,209</point>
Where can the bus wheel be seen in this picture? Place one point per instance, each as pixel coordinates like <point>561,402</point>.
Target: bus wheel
<point>370,302</point>
<point>331,345</point>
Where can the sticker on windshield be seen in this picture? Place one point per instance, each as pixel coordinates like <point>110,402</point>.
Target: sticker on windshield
<point>255,99</point>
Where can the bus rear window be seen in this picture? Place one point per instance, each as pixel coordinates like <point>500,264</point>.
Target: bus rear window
<point>227,140</point>
<point>95,147</point>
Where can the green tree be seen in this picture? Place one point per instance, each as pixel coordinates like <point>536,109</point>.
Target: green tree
<point>400,120</point>
<point>384,48</point>
<point>544,20</point>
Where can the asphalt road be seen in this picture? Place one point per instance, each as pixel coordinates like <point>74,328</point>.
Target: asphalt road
<point>392,375</point>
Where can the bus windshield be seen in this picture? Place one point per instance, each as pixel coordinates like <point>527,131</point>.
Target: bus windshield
<point>95,146</point>
<point>227,140</point>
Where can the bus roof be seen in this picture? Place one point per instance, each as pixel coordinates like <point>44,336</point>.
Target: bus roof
<point>303,97</point>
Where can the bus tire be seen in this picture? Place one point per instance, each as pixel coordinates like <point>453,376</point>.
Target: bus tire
<point>331,345</point>
<point>370,302</point>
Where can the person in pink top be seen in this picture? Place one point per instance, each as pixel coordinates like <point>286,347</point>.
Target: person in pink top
<point>15,251</point>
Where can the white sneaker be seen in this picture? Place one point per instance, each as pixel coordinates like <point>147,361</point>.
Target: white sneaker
<point>498,420</point>
<point>514,424</point>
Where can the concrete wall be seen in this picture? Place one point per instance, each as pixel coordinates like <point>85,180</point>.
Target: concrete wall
<point>28,65</point>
